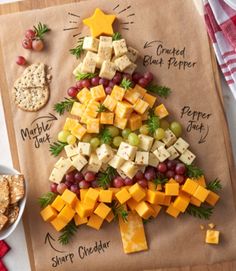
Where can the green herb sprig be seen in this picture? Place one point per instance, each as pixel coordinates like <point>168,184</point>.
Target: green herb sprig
<point>56,147</point>
<point>193,171</point>
<point>101,108</point>
<point>46,199</point>
<point>105,178</point>
<point>119,210</point>
<point>160,180</point>
<point>161,91</point>
<point>82,76</point>
<point>41,30</point>
<point>105,136</point>
<point>116,36</point>
<point>63,106</point>
<point>214,186</point>
<point>153,122</point>
<point>78,50</point>
<point>126,83</point>
<point>201,212</point>
<point>67,233</point>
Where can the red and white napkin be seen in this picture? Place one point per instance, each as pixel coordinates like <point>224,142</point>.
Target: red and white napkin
<point>4,248</point>
<point>221,26</point>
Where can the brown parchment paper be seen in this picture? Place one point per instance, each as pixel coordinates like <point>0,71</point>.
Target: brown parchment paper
<point>172,243</point>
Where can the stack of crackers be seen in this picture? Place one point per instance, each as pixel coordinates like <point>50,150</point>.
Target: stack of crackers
<point>12,190</point>
<point>31,90</point>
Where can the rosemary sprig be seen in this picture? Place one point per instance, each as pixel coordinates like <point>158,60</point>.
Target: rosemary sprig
<point>105,136</point>
<point>41,30</point>
<point>159,90</point>
<point>67,233</point>
<point>105,178</point>
<point>153,122</point>
<point>63,106</point>
<point>78,50</point>
<point>116,36</point>
<point>81,76</point>
<point>193,171</point>
<point>126,83</point>
<point>214,186</point>
<point>46,199</point>
<point>101,108</point>
<point>160,180</point>
<point>119,210</point>
<point>201,212</point>
<point>56,147</point>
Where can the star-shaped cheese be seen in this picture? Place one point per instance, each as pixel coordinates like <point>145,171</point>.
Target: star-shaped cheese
<point>100,23</point>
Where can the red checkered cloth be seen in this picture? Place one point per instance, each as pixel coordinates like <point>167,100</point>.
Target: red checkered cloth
<point>2,266</point>
<point>4,248</point>
<point>221,26</point>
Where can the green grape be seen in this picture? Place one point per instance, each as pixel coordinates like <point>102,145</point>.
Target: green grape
<point>164,124</point>
<point>114,131</point>
<point>159,133</point>
<point>125,133</point>
<point>71,139</point>
<point>133,139</point>
<point>95,142</point>
<point>62,136</point>
<point>176,128</point>
<point>144,129</point>
<point>86,138</point>
<point>117,140</point>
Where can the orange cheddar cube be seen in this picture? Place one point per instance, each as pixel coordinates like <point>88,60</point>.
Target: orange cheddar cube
<point>167,201</point>
<point>118,93</point>
<point>131,96</point>
<point>110,103</point>
<point>140,90</point>
<point>135,122</point>
<point>58,203</point>
<point>67,213</point>
<point>102,210</point>
<point>84,210</point>
<point>172,189</point>
<point>93,126</point>
<point>69,197</point>
<point>95,222</point>
<point>105,196</point>
<point>155,197</point>
<point>190,186</point>
<point>92,109</point>
<point>161,111</point>
<point>152,186</point>
<point>201,181</point>
<point>172,211</point>
<point>123,109</point>
<point>48,213</point>
<point>150,99</point>
<point>201,193</point>
<point>195,201</point>
<point>82,193</point>
<point>107,118</point>
<point>78,131</point>
<point>84,119</point>
<point>84,96</point>
<point>80,221</point>
<point>212,198</point>
<point>145,115</point>
<point>70,124</point>
<point>78,109</point>
<point>91,196</point>
<point>123,195</point>
<point>137,192</point>
<point>131,203</point>
<point>98,93</point>
<point>114,191</point>
<point>144,209</point>
<point>181,203</point>
<point>156,210</point>
<point>58,223</point>
<point>212,237</point>
<point>120,122</point>
<point>110,217</point>
<point>140,106</point>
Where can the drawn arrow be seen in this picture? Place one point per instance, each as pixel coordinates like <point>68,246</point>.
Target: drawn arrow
<point>49,239</point>
<point>149,44</point>
<point>49,117</point>
<point>203,138</point>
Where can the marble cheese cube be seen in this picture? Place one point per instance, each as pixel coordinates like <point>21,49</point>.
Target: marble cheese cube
<point>181,145</point>
<point>122,63</point>
<point>156,145</point>
<point>142,158</point>
<point>71,150</point>
<point>116,161</point>
<point>84,148</point>
<point>91,44</point>
<point>153,160</point>
<point>187,157</point>
<point>129,168</point>
<point>120,47</point>
<point>104,153</point>
<point>173,153</point>
<point>94,163</point>
<point>130,70</point>
<point>162,154</point>
<point>89,63</point>
<point>78,162</point>
<point>132,54</point>
<point>63,164</point>
<point>108,70</point>
<point>126,151</point>
<point>56,175</point>
<point>169,138</point>
<point>145,142</point>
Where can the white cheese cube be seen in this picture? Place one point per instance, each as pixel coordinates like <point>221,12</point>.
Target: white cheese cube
<point>145,142</point>
<point>126,151</point>
<point>153,160</point>
<point>84,148</point>
<point>105,48</point>
<point>122,63</point>
<point>89,63</point>
<point>59,162</point>
<point>104,153</point>
<point>130,70</point>
<point>162,154</point>
<point>187,157</point>
<point>108,70</point>
<point>121,173</point>
<point>169,138</point>
<point>78,162</point>
<point>156,145</point>
<point>142,158</point>
<point>99,62</point>
<point>105,40</point>
<point>91,44</point>
<point>71,150</point>
<point>94,163</point>
<point>132,54</point>
<point>129,169</point>
<point>120,47</point>
<point>63,164</point>
<point>173,153</point>
<point>116,161</point>
<point>77,69</point>
<point>181,145</point>
<point>56,175</point>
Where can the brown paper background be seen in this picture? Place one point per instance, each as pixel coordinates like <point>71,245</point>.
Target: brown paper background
<point>172,243</point>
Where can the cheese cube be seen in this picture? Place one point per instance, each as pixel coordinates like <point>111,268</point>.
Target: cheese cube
<point>121,173</point>
<point>93,126</point>
<point>116,161</point>
<point>156,210</point>
<point>84,210</point>
<point>153,160</point>
<point>118,93</point>
<point>56,175</point>
<point>71,150</point>
<point>156,145</point>
<point>110,217</point>
<point>195,201</point>
<point>144,209</point>
<point>173,153</point>
<point>181,145</point>
<point>131,96</point>
<point>142,158</point>
<point>98,93</point>
<point>150,99</point>
<point>137,192</point>
<point>171,210</point>
<point>48,213</point>
<point>90,44</point>
<point>94,163</point>
<point>201,193</point>
<point>89,63</point>
<point>132,54</point>
<point>66,214</point>
<point>140,90</point>
<point>129,168</point>
<point>95,222</point>
<point>190,186</point>
<point>130,70</point>
<point>83,193</point>
<point>181,203</point>
<point>78,131</point>
<point>172,189</point>
<point>212,237</point>
<point>110,103</point>
<point>122,63</point>
<point>120,122</point>
<point>63,164</point>
<point>140,106</point>
<point>84,119</point>
<point>104,153</point>
<point>77,69</point>
<point>161,111</point>
<point>105,40</point>
<point>102,210</point>
<point>145,142</point>
<point>167,201</point>
<point>58,223</point>
<point>201,181</point>
<point>155,197</point>
<point>123,109</point>
<point>162,154</point>
<point>119,47</point>
<point>58,203</point>
<point>92,109</point>
<point>78,161</point>
<point>84,148</point>
<point>105,48</point>
<point>135,122</point>
<point>80,221</point>
<point>169,138</point>
<point>145,116</point>
<point>131,203</point>
<point>70,124</point>
<point>187,157</point>
<point>91,195</point>
<point>108,70</point>
<point>78,109</point>
<point>84,96</point>
<point>212,198</point>
<point>123,195</point>
<point>152,186</point>
<point>107,118</point>
<point>126,151</point>
<point>105,196</point>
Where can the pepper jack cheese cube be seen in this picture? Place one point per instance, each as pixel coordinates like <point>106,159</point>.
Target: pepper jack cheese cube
<point>161,111</point>
<point>131,96</point>
<point>132,54</point>
<point>130,70</point>
<point>78,131</point>
<point>89,63</point>
<point>71,150</point>
<point>116,161</point>
<point>212,198</point>
<point>110,103</point>
<point>137,192</point>
<point>90,44</point>
<point>120,122</point>
<point>78,109</point>
<point>95,221</point>
<point>48,213</point>
<point>78,161</point>
<point>108,70</point>
<point>187,157</point>
<point>107,118</point>
<point>70,124</point>
<point>171,210</point>
<point>102,210</point>
<point>98,93</point>
<point>142,158</point>
<point>122,63</point>
<point>118,93</point>
<point>84,96</point>
<point>84,148</point>
<point>80,221</point>
<point>123,195</point>
<point>126,151</point>
<point>145,142</point>
<point>190,186</point>
<point>212,237</point>
<point>173,153</point>
<point>56,175</point>
<point>153,160</point>
<point>156,145</point>
<point>181,145</point>
<point>150,99</point>
<point>104,153</point>
<point>140,90</point>
<point>144,209</point>
<point>120,47</point>
<point>94,163</point>
<point>69,197</point>
<point>123,109</point>
<point>201,193</point>
<point>67,213</point>
<point>129,168</point>
<point>181,203</point>
<point>172,189</point>
<point>58,203</point>
<point>140,106</point>
<point>105,196</point>
<point>169,138</point>
<point>58,223</point>
<point>162,154</point>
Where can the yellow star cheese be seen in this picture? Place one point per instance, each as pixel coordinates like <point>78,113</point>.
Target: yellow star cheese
<point>100,23</point>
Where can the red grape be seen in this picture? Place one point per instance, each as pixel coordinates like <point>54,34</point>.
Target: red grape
<point>68,184</point>
<point>148,76</point>
<point>53,187</point>
<point>72,92</point>
<point>37,45</point>
<point>95,81</point>
<point>117,78</point>
<point>78,177</point>
<point>139,175</point>
<point>150,173</point>
<point>27,44</point>
<point>79,85</point>
<point>171,164</point>
<point>61,188</point>
<point>94,184</point>
<point>128,181</point>
<point>104,82</point>
<point>86,83</point>
<point>143,82</point>
<point>179,178</point>
<point>118,182</point>
<point>108,90</point>
<point>180,169</point>
<point>170,174</point>
<point>70,177</point>
<point>21,61</point>
<point>83,184</point>
<point>111,84</point>
<point>89,176</point>
<point>136,76</point>
<point>143,183</point>
<point>30,34</point>
<point>162,167</point>
<point>74,188</point>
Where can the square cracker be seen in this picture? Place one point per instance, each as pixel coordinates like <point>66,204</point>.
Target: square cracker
<point>4,194</point>
<point>17,188</point>
<point>3,221</point>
